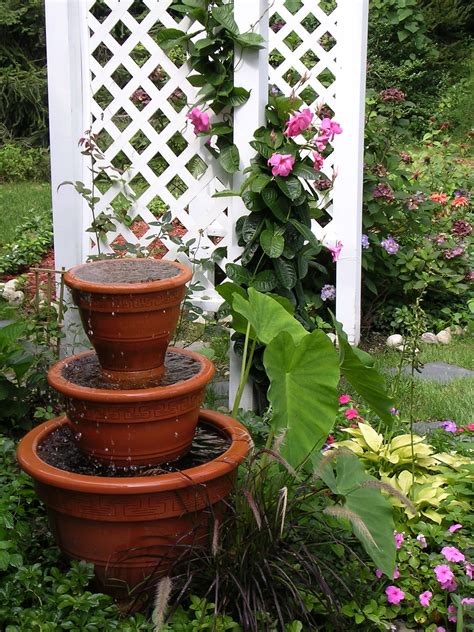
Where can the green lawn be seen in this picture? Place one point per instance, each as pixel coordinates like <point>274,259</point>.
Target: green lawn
<point>17,201</point>
<point>434,400</point>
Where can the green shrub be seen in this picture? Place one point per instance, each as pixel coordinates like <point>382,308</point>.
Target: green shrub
<point>19,163</point>
<point>32,240</point>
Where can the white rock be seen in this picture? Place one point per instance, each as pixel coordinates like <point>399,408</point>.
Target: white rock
<point>444,337</point>
<point>456,330</point>
<point>429,338</point>
<point>12,284</point>
<point>14,298</point>
<point>395,340</point>
<point>402,348</point>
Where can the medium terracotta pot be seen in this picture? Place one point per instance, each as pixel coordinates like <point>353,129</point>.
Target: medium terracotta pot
<point>129,324</point>
<point>134,427</point>
<point>133,528</point>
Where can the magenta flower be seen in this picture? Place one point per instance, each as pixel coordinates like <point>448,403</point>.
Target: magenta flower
<point>336,251</point>
<point>298,122</point>
<point>344,399</point>
<point>378,573</point>
<point>281,164</point>
<point>396,573</point>
<point>399,538</point>
<point>425,598</point>
<point>452,554</point>
<point>422,540</point>
<point>467,600</point>
<point>394,594</point>
<point>455,527</point>
<point>443,573</point>
<point>451,613</point>
<point>450,586</point>
<point>449,426</point>
<point>351,413</point>
<point>469,569</point>
<point>321,142</point>
<point>199,119</point>
<point>440,629</point>
<point>318,161</point>
<point>330,128</point>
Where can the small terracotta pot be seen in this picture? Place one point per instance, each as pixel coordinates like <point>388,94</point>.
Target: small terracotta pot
<point>134,427</point>
<point>129,324</point>
<point>133,528</point>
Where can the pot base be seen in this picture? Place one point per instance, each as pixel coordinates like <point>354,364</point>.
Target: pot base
<point>134,529</point>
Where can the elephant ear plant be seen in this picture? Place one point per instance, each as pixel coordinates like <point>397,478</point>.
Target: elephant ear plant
<point>304,370</point>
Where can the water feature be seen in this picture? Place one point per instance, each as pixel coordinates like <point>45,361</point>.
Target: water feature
<point>135,470</point>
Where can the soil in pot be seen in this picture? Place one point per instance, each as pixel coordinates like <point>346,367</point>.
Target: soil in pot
<point>127,271</point>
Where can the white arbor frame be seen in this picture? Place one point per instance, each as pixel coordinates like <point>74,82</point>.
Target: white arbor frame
<point>75,76</point>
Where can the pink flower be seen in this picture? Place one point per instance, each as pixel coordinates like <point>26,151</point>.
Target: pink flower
<point>336,251</point>
<point>378,573</point>
<point>394,594</point>
<point>451,615</point>
<point>199,119</point>
<point>422,540</point>
<point>454,527</point>
<point>425,598</point>
<point>440,629</point>
<point>469,569</point>
<point>351,413</point>
<point>282,164</point>
<point>344,399</point>
<point>318,161</point>
<point>330,128</point>
<point>396,573</point>
<point>399,538</point>
<point>452,554</point>
<point>443,573</point>
<point>321,142</point>
<point>298,122</point>
<point>450,586</point>
<point>467,600</point>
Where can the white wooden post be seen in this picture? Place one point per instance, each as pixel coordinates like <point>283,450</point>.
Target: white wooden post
<point>352,20</point>
<point>69,116</point>
<point>250,72</point>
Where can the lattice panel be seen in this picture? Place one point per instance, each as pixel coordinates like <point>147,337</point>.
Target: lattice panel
<point>140,98</point>
<point>302,47</point>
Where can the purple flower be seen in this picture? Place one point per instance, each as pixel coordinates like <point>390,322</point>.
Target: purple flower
<point>364,240</point>
<point>390,245</point>
<point>422,540</point>
<point>383,191</point>
<point>328,293</point>
<point>392,95</point>
<point>454,252</point>
<point>449,426</point>
<point>394,411</point>
<point>461,228</point>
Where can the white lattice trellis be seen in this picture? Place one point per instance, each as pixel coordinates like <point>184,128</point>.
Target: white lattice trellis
<point>105,66</point>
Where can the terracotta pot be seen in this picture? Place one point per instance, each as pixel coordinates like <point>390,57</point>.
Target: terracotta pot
<point>134,427</point>
<point>129,324</point>
<point>132,528</point>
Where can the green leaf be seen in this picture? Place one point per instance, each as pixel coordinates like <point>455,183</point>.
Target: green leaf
<point>197,80</point>
<point>304,171</point>
<point>265,281</point>
<point>251,226</point>
<point>237,273</point>
<point>253,201</point>
<point>229,159</point>
<point>219,129</point>
<point>238,96</point>
<point>204,43</point>
<point>268,317</point>
<point>259,182</point>
<point>262,148</point>
<point>272,243</point>
<point>169,38</point>
<point>278,204</point>
<point>226,193</point>
<point>253,41</point>
<point>364,379</point>
<point>290,186</point>
<point>286,273</point>
<point>306,232</point>
<point>303,391</point>
<point>228,291</point>
<point>224,16</point>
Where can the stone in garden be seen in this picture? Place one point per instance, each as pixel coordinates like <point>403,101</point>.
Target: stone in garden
<point>444,337</point>
<point>429,338</point>
<point>395,340</point>
<point>402,348</point>
<point>437,371</point>
<point>12,285</point>
<point>456,330</point>
<point>13,297</point>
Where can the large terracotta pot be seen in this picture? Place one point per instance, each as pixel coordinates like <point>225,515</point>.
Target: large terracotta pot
<point>134,427</point>
<point>129,324</point>
<point>133,528</point>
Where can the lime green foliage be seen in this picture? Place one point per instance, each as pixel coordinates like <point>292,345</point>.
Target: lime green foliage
<point>19,163</point>
<point>32,239</point>
<point>18,203</point>
<point>410,465</point>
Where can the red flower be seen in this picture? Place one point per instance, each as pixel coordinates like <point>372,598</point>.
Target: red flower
<point>442,198</point>
<point>460,201</point>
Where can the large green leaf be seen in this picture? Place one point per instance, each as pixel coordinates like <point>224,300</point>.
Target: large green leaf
<point>251,226</point>
<point>286,273</point>
<point>265,281</point>
<point>224,16</point>
<point>278,204</point>
<point>272,243</point>
<point>238,96</point>
<point>228,291</point>
<point>267,317</point>
<point>250,40</point>
<point>303,391</point>
<point>365,379</point>
<point>229,158</point>
<point>371,507</point>
<point>237,273</point>
<point>304,171</point>
<point>290,186</point>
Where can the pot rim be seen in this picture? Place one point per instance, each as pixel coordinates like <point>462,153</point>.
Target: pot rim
<point>69,389</point>
<point>147,287</point>
<point>224,464</point>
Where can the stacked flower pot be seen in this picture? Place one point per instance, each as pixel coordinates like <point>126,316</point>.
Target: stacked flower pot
<point>132,404</point>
